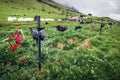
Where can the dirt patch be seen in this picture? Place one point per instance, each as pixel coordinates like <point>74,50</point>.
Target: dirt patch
<point>3,19</point>
<point>19,24</point>
<point>38,72</point>
<point>60,45</point>
<point>22,59</point>
<point>72,41</point>
<point>86,43</point>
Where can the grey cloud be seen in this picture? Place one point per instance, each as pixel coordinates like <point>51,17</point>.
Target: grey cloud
<point>109,8</point>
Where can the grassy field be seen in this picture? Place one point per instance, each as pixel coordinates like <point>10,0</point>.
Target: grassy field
<point>30,9</point>
<point>65,54</point>
<point>83,54</point>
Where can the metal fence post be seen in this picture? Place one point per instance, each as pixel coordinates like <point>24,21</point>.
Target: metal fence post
<point>39,44</point>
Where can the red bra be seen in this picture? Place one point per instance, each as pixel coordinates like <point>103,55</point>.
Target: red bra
<point>18,40</point>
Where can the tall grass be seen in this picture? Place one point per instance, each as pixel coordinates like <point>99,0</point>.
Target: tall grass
<point>99,61</point>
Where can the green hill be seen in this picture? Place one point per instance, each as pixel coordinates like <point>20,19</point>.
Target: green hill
<point>30,8</point>
<point>44,8</point>
<point>82,54</point>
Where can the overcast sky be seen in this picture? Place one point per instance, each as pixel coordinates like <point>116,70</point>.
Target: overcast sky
<point>108,8</point>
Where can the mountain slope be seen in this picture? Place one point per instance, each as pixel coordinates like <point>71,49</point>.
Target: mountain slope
<point>46,8</point>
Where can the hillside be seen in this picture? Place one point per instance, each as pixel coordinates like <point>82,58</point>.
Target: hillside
<point>46,8</point>
<point>88,53</point>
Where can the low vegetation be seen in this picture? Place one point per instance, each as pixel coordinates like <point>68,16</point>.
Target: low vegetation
<point>81,54</point>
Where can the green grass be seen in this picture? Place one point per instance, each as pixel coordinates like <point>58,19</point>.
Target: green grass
<point>30,8</point>
<point>99,61</point>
